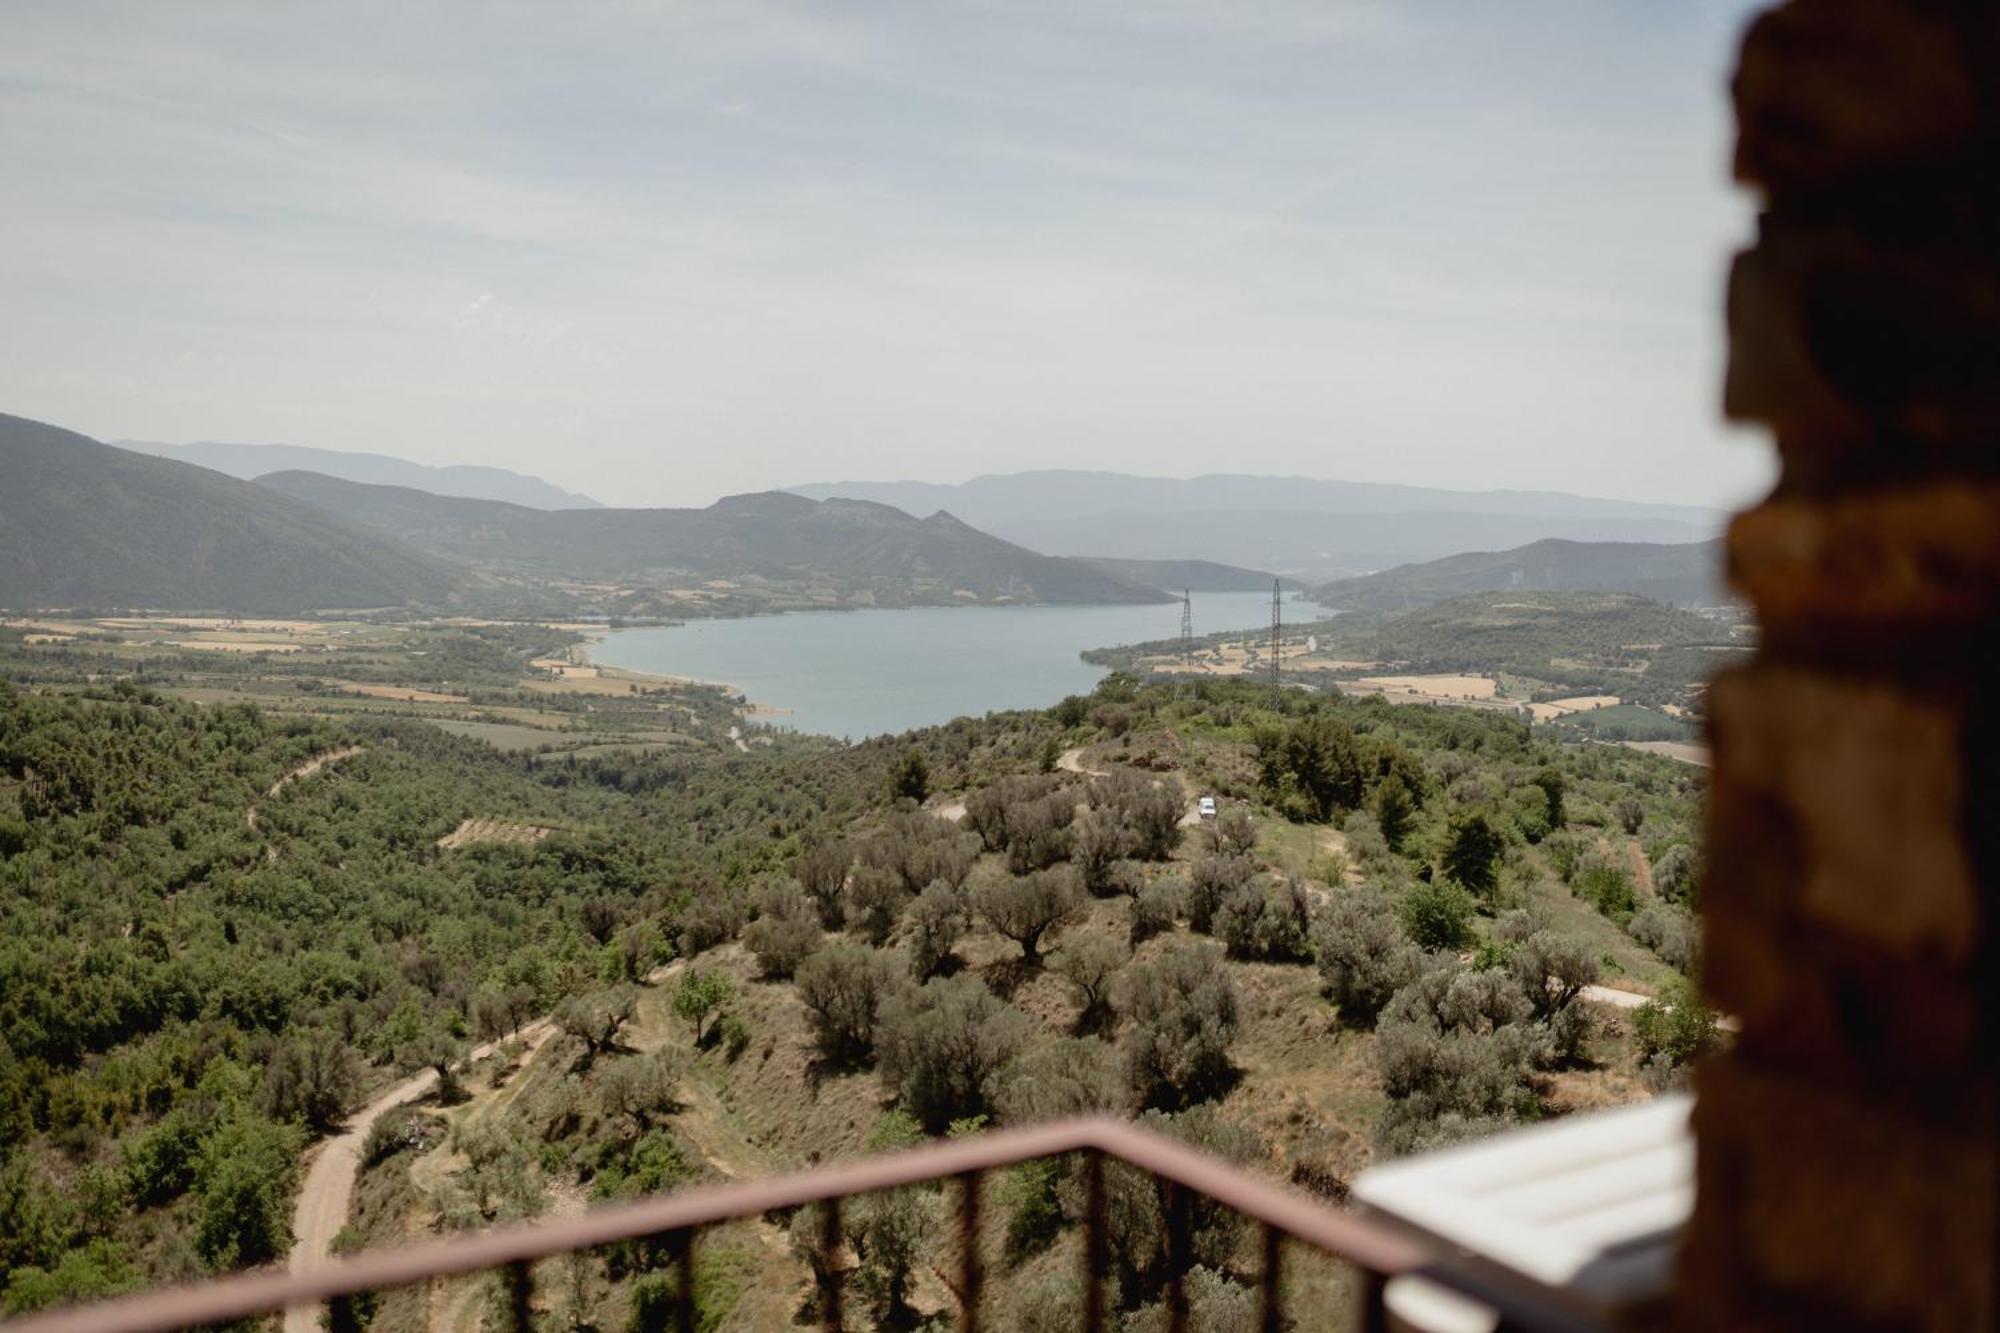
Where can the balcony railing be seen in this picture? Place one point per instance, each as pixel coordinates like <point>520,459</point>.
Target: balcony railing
<point>676,1220</point>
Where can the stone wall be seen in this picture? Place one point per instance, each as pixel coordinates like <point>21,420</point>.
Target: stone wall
<point>1847,1143</point>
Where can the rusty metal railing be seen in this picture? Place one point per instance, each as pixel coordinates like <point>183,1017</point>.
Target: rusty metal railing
<point>676,1219</point>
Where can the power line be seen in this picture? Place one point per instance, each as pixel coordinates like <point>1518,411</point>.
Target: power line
<point>1185,685</point>
<point>1277,635</point>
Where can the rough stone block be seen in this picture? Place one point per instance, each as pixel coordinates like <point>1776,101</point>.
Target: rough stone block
<point>1865,783</point>
<point>1827,90</point>
<point>1833,1206</point>
<point>1890,560</point>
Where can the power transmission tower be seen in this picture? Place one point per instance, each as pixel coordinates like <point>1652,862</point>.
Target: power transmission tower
<point>1184,687</point>
<point>1277,635</point>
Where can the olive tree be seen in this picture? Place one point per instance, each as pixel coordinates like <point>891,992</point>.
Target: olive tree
<point>842,986</point>
<point>1183,1009</point>
<point>940,1045</point>
<point>1028,908</point>
<point>1362,953</point>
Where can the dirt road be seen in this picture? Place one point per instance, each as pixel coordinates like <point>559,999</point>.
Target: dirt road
<point>1071,761</point>
<point>304,770</point>
<point>321,1209</point>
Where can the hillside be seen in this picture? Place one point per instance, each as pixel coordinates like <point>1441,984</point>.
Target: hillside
<point>1294,525</point>
<point>226,931</point>
<point>742,553</point>
<point>250,461</point>
<point>1175,575</point>
<point>85,524</point>
<point>1687,574</point>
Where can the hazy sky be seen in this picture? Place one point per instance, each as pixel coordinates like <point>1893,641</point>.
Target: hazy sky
<point>663,251</point>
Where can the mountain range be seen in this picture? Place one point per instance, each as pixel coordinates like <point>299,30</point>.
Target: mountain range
<point>250,461</point>
<point>1685,574</point>
<point>780,549</point>
<point>83,524</point>
<point>1299,526</point>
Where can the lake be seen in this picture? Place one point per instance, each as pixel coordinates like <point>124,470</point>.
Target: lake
<point>864,673</point>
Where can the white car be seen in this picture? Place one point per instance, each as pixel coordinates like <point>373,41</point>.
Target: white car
<point>1205,807</point>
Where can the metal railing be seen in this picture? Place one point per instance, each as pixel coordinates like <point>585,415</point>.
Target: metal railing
<point>675,1220</point>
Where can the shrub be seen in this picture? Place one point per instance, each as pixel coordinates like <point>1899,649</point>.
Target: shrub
<point>711,917</point>
<point>398,1129</point>
<point>1232,832</point>
<point>910,778</point>
<point>941,1043</point>
<point>1675,1026</point>
<point>1437,915</point>
<point>1362,953</point>
<point>842,986</point>
<point>1606,886</point>
<point>1184,1013</point>
<point>1027,909</point>
<point>1631,813</point>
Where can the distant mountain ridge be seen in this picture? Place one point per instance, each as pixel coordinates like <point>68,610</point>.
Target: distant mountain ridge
<point>469,481</point>
<point>1680,574</point>
<point>1174,576</point>
<point>778,550</point>
<point>86,524</point>
<point>1298,526</point>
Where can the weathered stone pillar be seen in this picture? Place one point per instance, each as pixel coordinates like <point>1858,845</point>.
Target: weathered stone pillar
<point>1847,1143</point>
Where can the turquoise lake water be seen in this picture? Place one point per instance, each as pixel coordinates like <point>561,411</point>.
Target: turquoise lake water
<point>864,673</point>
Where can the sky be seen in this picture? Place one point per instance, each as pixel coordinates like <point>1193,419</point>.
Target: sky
<point>661,251</point>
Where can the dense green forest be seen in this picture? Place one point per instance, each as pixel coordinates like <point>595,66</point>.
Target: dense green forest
<point>212,951</point>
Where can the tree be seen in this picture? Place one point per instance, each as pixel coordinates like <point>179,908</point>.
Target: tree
<point>436,1048</point>
<point>1362,953</point>
<point>1552,970</point>
<point>842,986</point>
<point>1183,1009</point>
<point>638,1088</point>
<point>1065,1077</point>
<point>1154,909</point>
<point>1091,964</point>
<point>243,1184</point>
<point>938,918</point>
<point>1631,813</point>
<point>1395,811</point>
<point>1437,915</point>
<point>1669,932</point>
<point>1215,879</point>
<point>1099,842</point>
<point>701,993</point>
<point>1550,780</point>
<point>1026,909</point>
<point>941,1044</point>
<point>822,872</point>
<point>875,898</point>
<point>595,1019</point>
<point>1266,921</point>
<point>1038,832</point>
<point>1472,855</point>
<point>1135,1207</point>
<point>311,1077</point>
<point>1676,873</point>
<point>1456,1051</point>
<point>910,779</point>
<point>785,931</point>
<point>895,1231</point>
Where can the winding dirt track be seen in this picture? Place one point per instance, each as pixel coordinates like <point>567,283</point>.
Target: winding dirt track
<point>321,1209</point>
<point>304,770</point>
